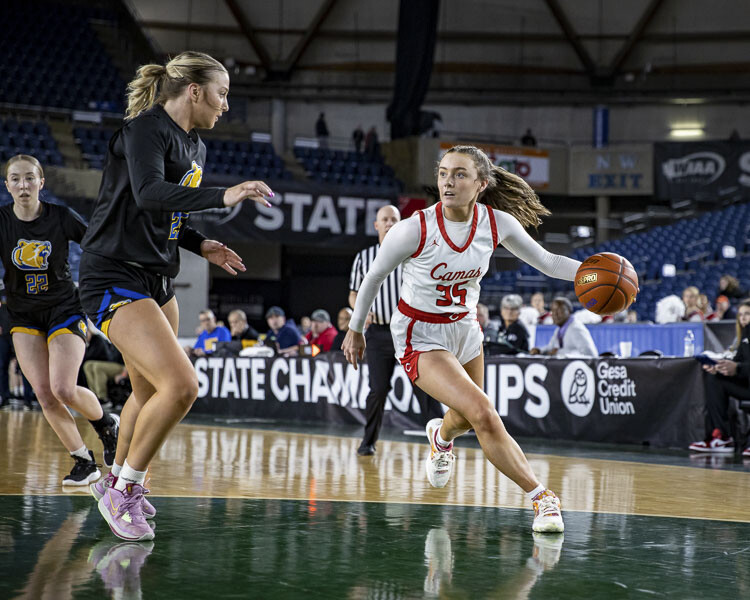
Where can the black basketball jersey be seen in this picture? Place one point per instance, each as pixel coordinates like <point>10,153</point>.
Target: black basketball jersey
<point>35,256</point>
<point>148,189</point>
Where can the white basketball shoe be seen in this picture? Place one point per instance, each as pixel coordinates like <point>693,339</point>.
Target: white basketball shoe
<point>439,465</point>
<point>547,513</point>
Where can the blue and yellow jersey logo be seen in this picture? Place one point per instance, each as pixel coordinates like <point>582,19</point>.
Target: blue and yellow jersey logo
<point>193,177</point>
<point>31,255</point>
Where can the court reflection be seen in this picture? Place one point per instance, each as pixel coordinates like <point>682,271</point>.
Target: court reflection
<point>216,548</point>
<point>59,568</point>
<point>204,461</point>
<point>270,464</point>
<point>119,565</point>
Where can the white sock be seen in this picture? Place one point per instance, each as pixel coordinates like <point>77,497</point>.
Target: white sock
<point>440,441</point>
<point>82,452</point>
<point>535,492</point>
<point>129,475</point>
<point>115,470</point>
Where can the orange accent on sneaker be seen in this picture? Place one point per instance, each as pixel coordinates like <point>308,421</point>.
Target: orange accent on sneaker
<point>536,501</point>
<point>115,509</point>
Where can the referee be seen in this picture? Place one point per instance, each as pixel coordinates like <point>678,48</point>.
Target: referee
<point>380,354</point>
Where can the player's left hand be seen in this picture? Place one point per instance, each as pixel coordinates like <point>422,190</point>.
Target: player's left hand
<point>727,367</point>
<point>354,347</point>
<point>218,254</point>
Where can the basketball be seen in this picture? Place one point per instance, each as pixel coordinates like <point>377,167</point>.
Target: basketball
<point>606,283</point>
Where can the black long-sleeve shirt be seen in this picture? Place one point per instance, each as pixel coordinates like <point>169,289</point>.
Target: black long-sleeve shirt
<point>742,356</point>
<point>149,186</point>
<point>35,256</point>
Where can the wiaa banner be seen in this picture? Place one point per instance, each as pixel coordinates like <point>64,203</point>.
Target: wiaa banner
<point>641,400</point>
<point>709,171</point>
<point>302,213</point>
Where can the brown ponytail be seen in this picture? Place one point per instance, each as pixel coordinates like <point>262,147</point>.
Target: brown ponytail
<point>159,83</point>
<point>505,191</point>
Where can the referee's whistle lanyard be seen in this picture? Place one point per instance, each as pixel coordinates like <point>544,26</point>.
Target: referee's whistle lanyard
<point>563,329</point>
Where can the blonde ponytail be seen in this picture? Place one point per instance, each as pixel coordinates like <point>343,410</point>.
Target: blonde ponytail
<point>143,90</point>
<point>158,83</point>
<point>505,191</point>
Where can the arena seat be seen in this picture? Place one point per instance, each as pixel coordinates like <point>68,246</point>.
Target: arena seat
<point>29,137</point>
<point>342,167</point>
<point>31,74</point>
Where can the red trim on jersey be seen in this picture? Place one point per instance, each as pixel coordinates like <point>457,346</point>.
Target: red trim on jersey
<point>420,315</point>
<point>422,234</point>
<point>493,225</point>
<point>410,360</point>
<point>441,226</point>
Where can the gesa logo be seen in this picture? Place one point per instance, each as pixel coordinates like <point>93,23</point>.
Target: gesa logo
<point>577,388</point>
<point>31,255</point>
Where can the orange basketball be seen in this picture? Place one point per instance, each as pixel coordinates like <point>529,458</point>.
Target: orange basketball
<point>606,283</point>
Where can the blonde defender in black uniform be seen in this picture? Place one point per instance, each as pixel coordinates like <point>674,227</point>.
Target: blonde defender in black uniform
<point>46,318</point>
<point>149,186</point>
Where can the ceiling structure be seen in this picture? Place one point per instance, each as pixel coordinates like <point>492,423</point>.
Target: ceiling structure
<point>533,52</point>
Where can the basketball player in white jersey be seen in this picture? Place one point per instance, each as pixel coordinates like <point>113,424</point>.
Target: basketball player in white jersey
<point>445,251</point>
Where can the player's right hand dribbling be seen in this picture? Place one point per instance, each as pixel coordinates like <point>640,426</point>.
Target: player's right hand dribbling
<point>248,190</point>
<point>353,347</point>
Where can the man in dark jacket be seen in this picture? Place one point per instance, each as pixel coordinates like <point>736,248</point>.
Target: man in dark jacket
<point>725,379</point>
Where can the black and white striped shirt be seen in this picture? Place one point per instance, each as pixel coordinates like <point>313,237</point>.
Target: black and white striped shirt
<point>387,299</point>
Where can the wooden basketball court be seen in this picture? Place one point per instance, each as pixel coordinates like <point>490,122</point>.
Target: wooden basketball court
<point>283,514</point>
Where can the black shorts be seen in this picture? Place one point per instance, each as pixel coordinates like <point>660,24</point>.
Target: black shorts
<point>107,284</point>
<point>66,317</point>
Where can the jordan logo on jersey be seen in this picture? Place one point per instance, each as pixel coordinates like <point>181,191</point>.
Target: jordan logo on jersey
<point>31,255</point>
<point>193,177</point>
<point>434,242</point>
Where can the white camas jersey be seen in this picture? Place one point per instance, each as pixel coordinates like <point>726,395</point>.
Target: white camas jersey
<point>443,275</point>
<point>444,261</point>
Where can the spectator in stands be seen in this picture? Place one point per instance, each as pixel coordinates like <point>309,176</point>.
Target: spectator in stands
<point>211,334</point>
<point>102,363</point>
<point>631,317</point>
<point>705,307</point>
<point>724,309</point>
<point>304,325</point>
<point>322,332</point>
<point>571,338</point>
<point>725,379</point>
<point>489,327</point>
<point>321,130</point>
<point>282,335</point>
<point>513,336</point>
<point>239,328</point>
<point>691,298</point>
<point>342,322</point>
<point>537,301</point>
<point>730,287</point>
<point>358,136</point>
<point>528,139</point>
<point>372,145</point>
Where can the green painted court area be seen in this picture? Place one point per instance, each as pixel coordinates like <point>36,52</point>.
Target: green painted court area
<point>59,547</point>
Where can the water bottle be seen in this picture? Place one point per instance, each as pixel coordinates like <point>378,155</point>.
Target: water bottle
<point>689,344</point>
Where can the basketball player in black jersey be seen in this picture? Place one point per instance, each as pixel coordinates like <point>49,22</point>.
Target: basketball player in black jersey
<point>46,320</point>
<point>150,184</point>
